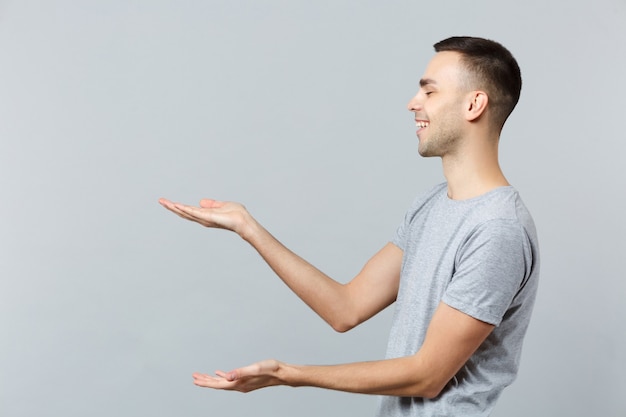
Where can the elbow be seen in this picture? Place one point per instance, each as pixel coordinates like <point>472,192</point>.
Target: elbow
<point>343,324</point>
<point>430,385</point>
<point>422,389</point>
<point>341,327</point>
<point>431,388</point>
<point>431,392</point>
<point>344,316</point>
<point>429,377</point>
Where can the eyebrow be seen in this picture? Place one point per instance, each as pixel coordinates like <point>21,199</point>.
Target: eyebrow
<point>425,81</point>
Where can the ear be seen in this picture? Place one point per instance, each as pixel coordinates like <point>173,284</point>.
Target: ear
<point>476,105</point>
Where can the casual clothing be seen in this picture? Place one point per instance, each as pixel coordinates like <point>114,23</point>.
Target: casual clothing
<point>481,257</point>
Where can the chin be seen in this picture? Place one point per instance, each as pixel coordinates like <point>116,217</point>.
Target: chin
<point>425,152</point>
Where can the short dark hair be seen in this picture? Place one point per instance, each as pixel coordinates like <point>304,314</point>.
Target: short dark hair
<point>492,68</point>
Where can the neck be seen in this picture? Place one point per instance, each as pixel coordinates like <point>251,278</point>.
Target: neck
<point>473,170</point>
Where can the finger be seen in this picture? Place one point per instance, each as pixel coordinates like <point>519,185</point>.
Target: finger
<point>166,203</point>
<point>208,381</point>
<point>186,208</point>
<point>223,374</point>
<point>175,208</point>
<point>210,203</point>
<point>176,211</point>
<point>171,206</point>
<point>198,375</point>
<point>196,214</point>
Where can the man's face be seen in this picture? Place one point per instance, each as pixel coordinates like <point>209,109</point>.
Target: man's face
<point>438,105</point>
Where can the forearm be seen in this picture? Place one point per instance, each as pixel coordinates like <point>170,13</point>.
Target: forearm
<point>451,339</point>
<point>407,377</point>
<point>327,297</point>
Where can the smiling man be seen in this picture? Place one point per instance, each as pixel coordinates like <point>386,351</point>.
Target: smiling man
<point>462,267</point>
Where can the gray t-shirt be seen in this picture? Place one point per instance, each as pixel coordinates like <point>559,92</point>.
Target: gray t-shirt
<point>479,256</point>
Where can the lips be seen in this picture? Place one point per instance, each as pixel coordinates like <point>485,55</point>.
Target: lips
<point>421,125</point>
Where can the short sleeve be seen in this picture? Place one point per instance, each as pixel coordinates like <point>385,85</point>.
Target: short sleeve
<point>399,237</point>
<point>490,269</point>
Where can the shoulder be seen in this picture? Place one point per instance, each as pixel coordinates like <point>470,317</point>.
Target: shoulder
<point>504,203</point>
<point>506,215</point>
<point>498,234</point>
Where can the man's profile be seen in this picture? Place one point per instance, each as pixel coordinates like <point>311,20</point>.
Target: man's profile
<point>462,267</point>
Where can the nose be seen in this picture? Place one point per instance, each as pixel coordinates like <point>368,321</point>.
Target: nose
<point>414,104</point>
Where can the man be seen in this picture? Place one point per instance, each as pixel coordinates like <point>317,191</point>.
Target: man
<point>462,267</point>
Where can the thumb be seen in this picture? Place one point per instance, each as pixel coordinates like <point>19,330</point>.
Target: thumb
<point>209,203</point>
<point>229,376</point>
<point>251,370</point>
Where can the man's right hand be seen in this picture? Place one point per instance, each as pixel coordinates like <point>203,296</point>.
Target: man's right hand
<point>211,213</point>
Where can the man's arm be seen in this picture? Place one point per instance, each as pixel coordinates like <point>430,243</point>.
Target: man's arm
<point>343,306</point>
<point>451,339</point>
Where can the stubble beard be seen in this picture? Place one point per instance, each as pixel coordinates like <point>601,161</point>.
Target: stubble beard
<point>442,140</point>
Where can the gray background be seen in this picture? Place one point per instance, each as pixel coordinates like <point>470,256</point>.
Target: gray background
<point>108,302</point>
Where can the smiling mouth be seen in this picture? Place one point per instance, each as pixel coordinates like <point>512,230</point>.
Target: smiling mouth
<point>421,124</point>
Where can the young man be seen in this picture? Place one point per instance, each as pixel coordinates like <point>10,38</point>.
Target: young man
<point>462,267</point>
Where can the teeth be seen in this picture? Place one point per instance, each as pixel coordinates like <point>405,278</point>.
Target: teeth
<point>421,124</point>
